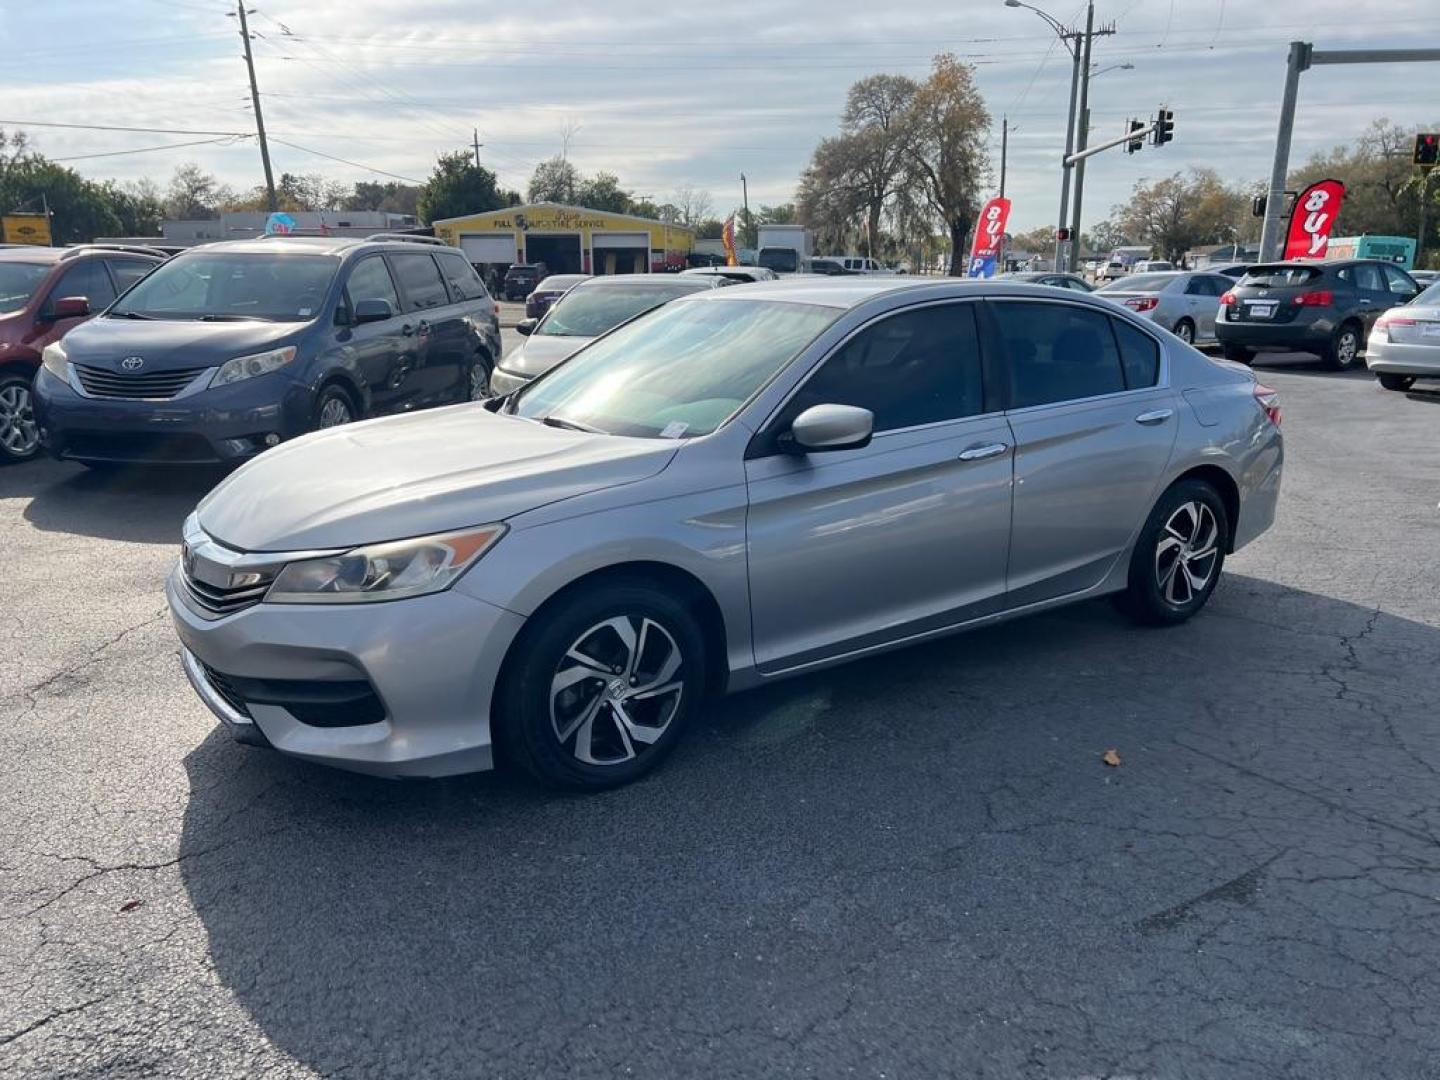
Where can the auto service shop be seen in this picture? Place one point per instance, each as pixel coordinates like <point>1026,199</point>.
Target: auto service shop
<point>568,240</point>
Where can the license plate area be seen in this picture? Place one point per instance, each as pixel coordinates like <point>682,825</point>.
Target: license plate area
<point>1430,330</point>
<point>1260,309</point>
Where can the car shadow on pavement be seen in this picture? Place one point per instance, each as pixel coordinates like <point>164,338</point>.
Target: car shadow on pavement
<point>134,504</point>
<point>917,858</point>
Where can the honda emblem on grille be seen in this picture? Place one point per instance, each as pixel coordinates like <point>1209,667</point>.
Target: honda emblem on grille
<point>133,363</point>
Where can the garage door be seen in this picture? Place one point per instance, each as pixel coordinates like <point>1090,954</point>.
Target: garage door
<point>488,249</point>
<point>621,240</point>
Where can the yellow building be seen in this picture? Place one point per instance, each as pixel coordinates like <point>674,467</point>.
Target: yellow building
<point>568,239</point>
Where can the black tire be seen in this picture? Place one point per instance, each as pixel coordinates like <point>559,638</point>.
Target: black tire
<point>478,389</point>
<point>529,735</point>
<point>1185,331</point>
<point>333,402</point>
<point>1239,354</point>
<point>1344,347</point>
<point>1158,593</point>
<point>1396,382</point>
<point>19,436</point>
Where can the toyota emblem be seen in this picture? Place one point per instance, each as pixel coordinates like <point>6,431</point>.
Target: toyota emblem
<point>133,363</point>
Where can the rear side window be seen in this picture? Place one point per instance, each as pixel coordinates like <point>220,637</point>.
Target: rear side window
<point>87,279</point>
<point>1201,286</point>
<point>1367,277</point>
<point>1139,356</point>
<point>420,279</point>
<point>129,271</point>
<point>464,283</point>
<point>1057,352</point>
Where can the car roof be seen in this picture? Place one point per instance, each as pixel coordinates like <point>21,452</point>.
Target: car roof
<point>319,245</point>
<point>695,281</point>
<point>850,292</point>
<point>31,253</point>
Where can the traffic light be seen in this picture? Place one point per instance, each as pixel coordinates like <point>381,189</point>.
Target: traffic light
<point>1427,150</point>
<point>1257,205</point>
<point>1164,126</point>
<point>1135,143</point>
<point>1062,234</point>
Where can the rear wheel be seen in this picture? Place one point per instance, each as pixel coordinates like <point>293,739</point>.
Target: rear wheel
<point>601,687</point>
<point>1396,382</point>
<point>19,434</point>
<point>1238,354</point>
<point>1185,331</point>
<point>333,408</point>
<point>1344,348</point>
<point>1178,555</point>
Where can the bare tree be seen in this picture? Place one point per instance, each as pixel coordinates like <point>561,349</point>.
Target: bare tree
<point>692,204</point>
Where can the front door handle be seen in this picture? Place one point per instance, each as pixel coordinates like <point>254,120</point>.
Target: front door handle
<point>407,329</point>
<point>980,453</point>
<point>1158,416</point>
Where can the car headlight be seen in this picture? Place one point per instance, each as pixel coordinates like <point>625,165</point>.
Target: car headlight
<point>56,361</point>
<point>247,367</point>
<point>390,571</point>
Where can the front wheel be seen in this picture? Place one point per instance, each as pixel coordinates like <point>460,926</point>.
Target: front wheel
<point>333,408</point>
<point>602,687</point>
<point>1178,555</point>
<point>19,434</point>
<point>1396,382</point>
<point>1344,348</point>
<point>1185,331</point>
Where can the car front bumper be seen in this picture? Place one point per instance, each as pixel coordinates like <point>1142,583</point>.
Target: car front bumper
<point>220,425</point>
<point>1387,357</point>
<point>432,662</point>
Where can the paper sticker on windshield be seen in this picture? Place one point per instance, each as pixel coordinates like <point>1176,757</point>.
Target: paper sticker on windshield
<point>304,312</point>
<point>674,429</point>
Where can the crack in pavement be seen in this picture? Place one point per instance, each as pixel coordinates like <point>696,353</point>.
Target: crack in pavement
<point>50,1018</point>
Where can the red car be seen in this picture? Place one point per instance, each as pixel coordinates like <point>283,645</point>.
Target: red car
<point>548,291</point>
<point>45,291</point>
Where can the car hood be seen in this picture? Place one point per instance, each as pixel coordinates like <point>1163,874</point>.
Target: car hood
<point>541,352</point>
<point>169,344</point>
<point>414,475</point>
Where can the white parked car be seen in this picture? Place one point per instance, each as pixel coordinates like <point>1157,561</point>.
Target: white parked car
<point>858,264</point>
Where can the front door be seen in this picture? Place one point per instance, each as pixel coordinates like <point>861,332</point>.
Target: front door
<point>439,359</point>
<point>1094,427</point>
<point>383,354</point>
<point>855,548</point>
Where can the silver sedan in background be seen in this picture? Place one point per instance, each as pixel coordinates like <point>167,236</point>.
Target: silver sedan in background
<point>1182,301</point>
<point>745,484</point>
<point>1404,343</point>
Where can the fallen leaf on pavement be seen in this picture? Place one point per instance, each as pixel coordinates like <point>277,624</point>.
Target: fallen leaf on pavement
<point>130,905</point>
<point>1111,758</point>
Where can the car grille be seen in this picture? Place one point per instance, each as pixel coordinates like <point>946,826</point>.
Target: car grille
<point>221,685</point>
<point>149,386</point>
<point>226,601</point>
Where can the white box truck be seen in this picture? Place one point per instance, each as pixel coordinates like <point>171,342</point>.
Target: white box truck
<point>783,248</point>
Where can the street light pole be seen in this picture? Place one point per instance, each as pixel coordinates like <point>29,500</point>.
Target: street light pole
<point>1073,45</point>
<point>1082,132</point>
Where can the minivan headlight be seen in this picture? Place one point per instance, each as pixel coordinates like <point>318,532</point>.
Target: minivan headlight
<point>247,367</point>
<point>390,571</point>
<point>56,361</point>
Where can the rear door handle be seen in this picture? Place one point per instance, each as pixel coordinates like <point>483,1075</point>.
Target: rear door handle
<point>407,329</point>
<point>1158,416</point>
<point>980,453</point>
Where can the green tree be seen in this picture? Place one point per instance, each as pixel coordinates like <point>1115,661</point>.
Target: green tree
<point>1179,212</point>
<point>603,192</point>
<point>79,210</point>
<point>194,194</point>
<point>555,180</point>
<point>391,196</point>
<point>137,205</point>
<point>458,186</point>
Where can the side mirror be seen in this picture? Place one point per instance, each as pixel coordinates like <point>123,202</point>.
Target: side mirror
<point>368,311</point>
<point>829,427</point>
<point>526,327</point>
<point>71,307</point>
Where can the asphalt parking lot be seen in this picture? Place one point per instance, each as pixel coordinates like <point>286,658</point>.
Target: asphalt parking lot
<point>915,866</point>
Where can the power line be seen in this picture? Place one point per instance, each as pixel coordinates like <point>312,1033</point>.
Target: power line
<point>345,161</point>
<point>119,127</point>
<point>144,149</point>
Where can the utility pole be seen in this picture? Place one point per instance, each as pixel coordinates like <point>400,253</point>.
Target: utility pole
<point>1073,44</point>
<point>745,195</point>
<point>1082,131</point>
<point>259,119</point>
<point>1004,153</point>
<point>1302,57</point>
<point>477,144</point>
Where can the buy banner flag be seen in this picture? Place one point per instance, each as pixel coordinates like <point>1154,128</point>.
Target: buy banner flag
<point>989,232</point>
<point>1312,219</point>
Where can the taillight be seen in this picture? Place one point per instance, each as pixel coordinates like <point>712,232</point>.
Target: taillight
<point>1318,298</point>
<point>1142,303</point>
<point>1269,400</point>
<point>1389,319</point>
<point>1229,300</point>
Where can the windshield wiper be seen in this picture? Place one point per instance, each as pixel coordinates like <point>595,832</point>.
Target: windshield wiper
<point>229,318</point>
<point>570,425</point>
<point>128,315</point>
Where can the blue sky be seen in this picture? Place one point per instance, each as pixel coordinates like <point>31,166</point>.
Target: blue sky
<point>668,94</point>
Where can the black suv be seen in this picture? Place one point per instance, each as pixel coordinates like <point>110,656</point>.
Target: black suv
<point>236,346</point>
<point>1320,307</point>
<point>521,279</point>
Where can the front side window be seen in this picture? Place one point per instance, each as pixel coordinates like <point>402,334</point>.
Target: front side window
<point>918,367</point>
<point>1399,283</point>
<point>464,282</point>
<point>87,279</point>
<point>678,372</point>
<point>589,311</point>
<point>1057,352</point>
<point>18,282</point>
<point>420,279</point>
<point>370,280</point>
<point>233,285</point>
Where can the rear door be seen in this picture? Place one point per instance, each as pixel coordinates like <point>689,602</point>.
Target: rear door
<point>854,548</point>
<point>436,363</point>
<point>382,352</point>
<point>1201,300</point>
<point>1372,292</point>
<point>1094,427</point>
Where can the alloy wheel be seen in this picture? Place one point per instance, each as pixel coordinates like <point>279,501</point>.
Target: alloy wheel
<point>479,381</point>
<point>334,412</point>
<point>19,433</point>
<point>616,690</point>
<point>1187,553</point>
<point>1346,348</point>
<point>1186,333</point>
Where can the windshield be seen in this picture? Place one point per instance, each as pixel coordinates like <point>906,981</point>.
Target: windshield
<point>1275,276</point>
<point>679,372</point>
<point>232,285</point>
<point>591,311</point>
<point>17,282</point>
<point>781,260</point>
<point>1140,283</point>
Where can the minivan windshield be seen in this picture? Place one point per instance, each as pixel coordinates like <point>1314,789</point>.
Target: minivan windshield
<point>590,310</point>
<point>232,285</point>
<point>678,372</point>
<point>17,283</point>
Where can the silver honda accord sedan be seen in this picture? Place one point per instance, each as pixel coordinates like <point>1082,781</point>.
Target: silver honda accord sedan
<point>744,484</point>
